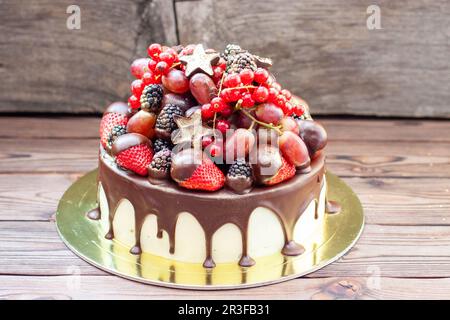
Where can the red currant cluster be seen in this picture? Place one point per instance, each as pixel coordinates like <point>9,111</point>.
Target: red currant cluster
<point>150,70</point>
<point>248,88</point>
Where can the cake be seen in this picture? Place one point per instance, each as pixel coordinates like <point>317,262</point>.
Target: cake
<point>211,161</point>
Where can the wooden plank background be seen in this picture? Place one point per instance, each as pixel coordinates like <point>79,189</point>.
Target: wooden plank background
<point>322,50</point>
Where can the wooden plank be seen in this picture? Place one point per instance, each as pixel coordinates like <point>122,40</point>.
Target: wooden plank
<point>356,159</point>
<point>32,196</point>
<point>338,129</point>
<point>386,201</point>
<point>34,248</point>
<point>75,70</point>
<point>324,52</point>
<point>109,287</point>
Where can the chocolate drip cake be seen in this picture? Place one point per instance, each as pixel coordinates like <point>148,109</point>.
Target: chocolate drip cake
<point>211,161</point>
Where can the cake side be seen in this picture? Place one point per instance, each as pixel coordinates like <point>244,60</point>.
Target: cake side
<point>278,217</point>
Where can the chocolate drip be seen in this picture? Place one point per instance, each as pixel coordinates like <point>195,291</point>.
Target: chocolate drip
<point>212,210</point>
<point>94,214</point>
<point>332,207</point>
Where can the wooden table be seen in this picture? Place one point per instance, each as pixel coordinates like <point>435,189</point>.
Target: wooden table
<point>399,168</point>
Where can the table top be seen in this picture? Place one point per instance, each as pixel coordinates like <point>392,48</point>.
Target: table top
<point>399,168</point>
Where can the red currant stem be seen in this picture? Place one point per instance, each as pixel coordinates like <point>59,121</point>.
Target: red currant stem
<point>175,65</point>
<point>252,125</point>
<point>267,125</point>
<point>214,123</point>
<point>244,87</point>
<point>221,82</point>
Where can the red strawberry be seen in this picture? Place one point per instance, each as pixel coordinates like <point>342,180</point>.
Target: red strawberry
<point>286,172</point>
<point>109,121</point>
<point>207,177</point>
<point>133,152</point>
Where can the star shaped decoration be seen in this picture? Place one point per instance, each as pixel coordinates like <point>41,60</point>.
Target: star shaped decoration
<point>190,129</point>
<point>200,61</point>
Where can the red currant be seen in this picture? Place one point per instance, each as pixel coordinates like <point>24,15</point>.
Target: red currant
<point>261,75</point>
<point>222,126</point>
<point>152,65</point>
<point>288,108</point>
<point>136,87</point>
<point>173,53</point>
<point>232,80</point>
<point>217,104</point>
<point>247,76</point>
<point>273,93</point>
<point>133,102</point>
<point>286,93</point>
<point>222,64</point>
<point>207,111</point>
<point>218,72</point>
<point>280,101</point>
<point>299,110</point>
<point>260,94</point>
<point>230,95</point>
<point>154,50</point>
<point>206,141</point>
<point>138,67</point>
<point>226,111</point>
<point>215,150</point>
<point>167,58</point>
<point>277,86</point>
<point>162,67</point>
<point>148,78</point>
<point>247,100</point>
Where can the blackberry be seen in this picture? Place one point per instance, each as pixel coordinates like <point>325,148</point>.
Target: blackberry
<point>240,168</point>
<point>160,144</point>
<point>151,98</point>
<point>240,177</point>
<point>231,50</point>
<point>165,122</point>
<point>241,61</point>
<point>116,132</point>
<point>160,166</point>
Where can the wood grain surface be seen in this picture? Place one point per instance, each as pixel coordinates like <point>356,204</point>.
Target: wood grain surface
<point>398,168</point>
<point>323,51</point>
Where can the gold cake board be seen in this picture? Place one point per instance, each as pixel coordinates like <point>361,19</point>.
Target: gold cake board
<point>85,238</point>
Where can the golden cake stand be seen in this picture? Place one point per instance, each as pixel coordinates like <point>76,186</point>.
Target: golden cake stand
<point>84,238</point>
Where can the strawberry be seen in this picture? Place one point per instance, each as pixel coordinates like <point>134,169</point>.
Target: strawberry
<point>206,176</point>
<point>286,172</point>
<point>109,121</point>
<point>136,158</point>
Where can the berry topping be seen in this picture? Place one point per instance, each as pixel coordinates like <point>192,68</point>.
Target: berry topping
<point>165,123</point>
<point>192,97</point>
<point>207,176</point>
<point>161,144</point>
<point>240,176</point>
<point>142,122</point>
<point>154,50</point>
<point>108,122</point>
<point>139,67</point>
<point>176,81</point>
<point>261,75</point>
<point>133,152</point>
<point>286,172</point>
<point>159,168</point>
<point>116,132</point>
<point>151,97</point>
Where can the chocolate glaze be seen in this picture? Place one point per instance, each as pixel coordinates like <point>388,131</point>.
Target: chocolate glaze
<point>127,141</point>
<point>118,107</point>
<point>212,210</point>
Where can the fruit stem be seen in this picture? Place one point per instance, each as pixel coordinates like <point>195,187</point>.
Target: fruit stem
<point>175,65</point>
<point>267,125</point>
<point>221,82</point>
